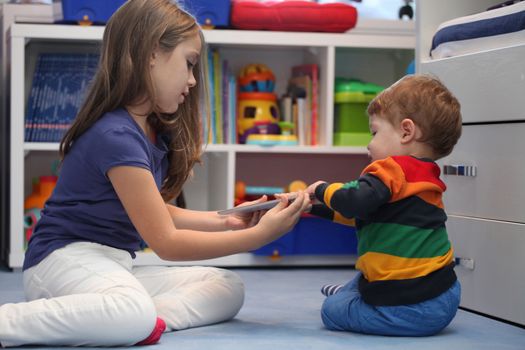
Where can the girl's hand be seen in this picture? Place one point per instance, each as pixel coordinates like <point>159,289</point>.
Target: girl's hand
<point>283,217</point>
<point>244,220</point>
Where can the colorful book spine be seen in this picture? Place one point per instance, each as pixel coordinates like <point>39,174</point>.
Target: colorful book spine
<point>217,85</point>
<point>312,71</point>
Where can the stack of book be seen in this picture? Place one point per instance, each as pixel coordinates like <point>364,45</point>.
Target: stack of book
<point>300,105</point>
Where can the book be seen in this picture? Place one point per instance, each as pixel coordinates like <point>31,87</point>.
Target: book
<point>304,102</point>
<point>286,109</point>
<point>225,103</point>
<point>217,87</point>
<point>211,94</point>
<point>312,71</point>
<point>232,101</point>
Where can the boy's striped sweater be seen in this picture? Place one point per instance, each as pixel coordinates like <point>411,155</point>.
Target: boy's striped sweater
<point>404,252</point>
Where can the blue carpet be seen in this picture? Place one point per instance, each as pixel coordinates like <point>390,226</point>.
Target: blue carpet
<point>281,311</point>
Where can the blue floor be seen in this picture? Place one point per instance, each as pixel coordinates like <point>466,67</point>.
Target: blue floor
<point>281,311</point>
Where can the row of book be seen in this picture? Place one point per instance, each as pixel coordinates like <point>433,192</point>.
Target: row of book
<point>300,105</point>
<point>222,85</point>
<point>60,82</point>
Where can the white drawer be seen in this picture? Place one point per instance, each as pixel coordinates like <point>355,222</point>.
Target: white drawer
<point>498,189</point>
<point>489,85</point>
<point>497,283</point>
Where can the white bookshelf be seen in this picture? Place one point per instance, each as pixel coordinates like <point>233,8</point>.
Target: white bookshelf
<point>375,51</point>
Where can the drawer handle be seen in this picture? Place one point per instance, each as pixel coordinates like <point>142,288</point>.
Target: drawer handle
<point>467,263</point>
<point>460,170</point>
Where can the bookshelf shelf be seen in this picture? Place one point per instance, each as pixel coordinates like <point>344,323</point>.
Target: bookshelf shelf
<point>299,149</point>
<point>248,259</point>
<point>375,51</point>
<point>41,146</point>
<point>52,146</point>
<point>367,34</point>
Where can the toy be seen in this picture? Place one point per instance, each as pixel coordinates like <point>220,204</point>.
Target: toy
<point>34,203</point>
<point>256,78</point>
<point>258,115</point>
<point>31,217</point>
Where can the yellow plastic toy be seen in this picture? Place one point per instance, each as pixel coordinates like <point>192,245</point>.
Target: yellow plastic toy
<point>258,120</point>
<point>258,114</point>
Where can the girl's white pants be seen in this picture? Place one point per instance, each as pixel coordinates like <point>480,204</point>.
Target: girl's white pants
<point>87,294</point>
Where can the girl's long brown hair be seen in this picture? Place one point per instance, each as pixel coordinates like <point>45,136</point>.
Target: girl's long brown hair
<point>123,78</point>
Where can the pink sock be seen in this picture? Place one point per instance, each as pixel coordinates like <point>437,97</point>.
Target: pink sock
<point>155,335</point>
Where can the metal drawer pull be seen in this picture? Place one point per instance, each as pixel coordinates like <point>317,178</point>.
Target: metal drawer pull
<point>467,263</point>
<point>460,170</point>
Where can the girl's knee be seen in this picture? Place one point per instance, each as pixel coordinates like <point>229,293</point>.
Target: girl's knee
<point>230,287</point>
<point>230,279</point>
<point>236,285</point>
<point>137,314</point>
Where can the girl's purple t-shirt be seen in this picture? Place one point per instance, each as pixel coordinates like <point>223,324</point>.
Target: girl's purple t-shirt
<point>84,207</point>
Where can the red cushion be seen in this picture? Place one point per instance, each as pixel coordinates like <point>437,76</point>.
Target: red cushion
<point>301,16</point>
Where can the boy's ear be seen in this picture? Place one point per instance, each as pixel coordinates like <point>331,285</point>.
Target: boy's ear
<point>408,130</point>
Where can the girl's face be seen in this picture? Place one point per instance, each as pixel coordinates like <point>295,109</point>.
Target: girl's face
<point>386,139</point>
<point>172,73</point>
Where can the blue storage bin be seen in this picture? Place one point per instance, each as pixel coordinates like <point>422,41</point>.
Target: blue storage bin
<point>213,13</point>
<point>314,236</point>
<point>94,11</point>
<point>282,246</point>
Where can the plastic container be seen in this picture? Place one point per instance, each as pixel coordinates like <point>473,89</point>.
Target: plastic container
<point>209,13</point>
<point>89,11</point>
<point>313,236</point>
<point>351,121</point>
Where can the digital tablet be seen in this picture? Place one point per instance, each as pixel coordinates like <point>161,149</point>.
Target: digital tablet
<point>253,207</point>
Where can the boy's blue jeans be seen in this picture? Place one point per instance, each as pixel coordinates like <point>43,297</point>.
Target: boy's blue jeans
<point>346,311</point>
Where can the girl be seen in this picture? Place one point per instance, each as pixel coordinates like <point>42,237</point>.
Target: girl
<point>131,148</point>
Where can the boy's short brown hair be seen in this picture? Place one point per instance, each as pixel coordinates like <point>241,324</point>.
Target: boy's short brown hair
<point>429,104</point>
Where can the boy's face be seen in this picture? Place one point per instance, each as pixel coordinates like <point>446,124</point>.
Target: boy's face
<point>386,139</point>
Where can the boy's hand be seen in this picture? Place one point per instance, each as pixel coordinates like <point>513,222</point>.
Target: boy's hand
<point>311,189</point>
